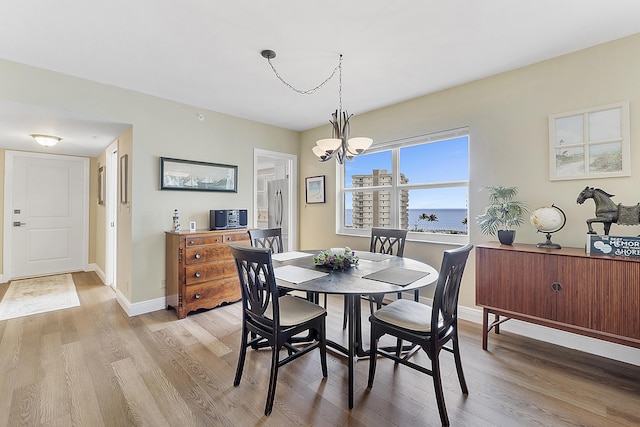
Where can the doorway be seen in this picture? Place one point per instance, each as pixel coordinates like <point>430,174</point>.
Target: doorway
<point>46,214</point>
<point>276,173</point>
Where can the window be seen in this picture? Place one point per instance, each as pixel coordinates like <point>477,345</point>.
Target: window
<point>419,184</point>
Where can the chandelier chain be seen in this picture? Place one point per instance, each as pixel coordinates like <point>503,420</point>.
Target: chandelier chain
<point>312,90</point>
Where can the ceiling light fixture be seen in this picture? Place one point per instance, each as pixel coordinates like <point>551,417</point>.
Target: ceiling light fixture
<point>46,140</point>
<point>339,146</point>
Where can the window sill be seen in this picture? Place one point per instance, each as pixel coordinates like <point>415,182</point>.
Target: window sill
<point>434,238</point>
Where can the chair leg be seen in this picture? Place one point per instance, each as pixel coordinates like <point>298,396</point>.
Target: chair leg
<point>273,378</point>
<point>242,355</point>
<point>458,360</point>
<point>323,348</point>
<point>437,385</point>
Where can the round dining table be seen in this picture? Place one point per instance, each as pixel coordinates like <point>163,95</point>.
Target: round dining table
<point>373,274</point>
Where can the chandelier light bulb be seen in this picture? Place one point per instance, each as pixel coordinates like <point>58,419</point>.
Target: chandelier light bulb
<point>359,144</point>
<point>319,152</point>
<point>329,144</point>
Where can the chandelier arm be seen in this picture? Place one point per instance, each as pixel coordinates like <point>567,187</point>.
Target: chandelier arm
<point>308,91</point>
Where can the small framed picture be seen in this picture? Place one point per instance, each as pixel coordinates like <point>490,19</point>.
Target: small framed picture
<point>101,185</point>
<point>124,179</point>
<point>192,226</point>
<point>315,191</point>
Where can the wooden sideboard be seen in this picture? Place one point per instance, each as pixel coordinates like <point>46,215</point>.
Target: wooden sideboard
<point>593,295</point>
<point>200,271</point>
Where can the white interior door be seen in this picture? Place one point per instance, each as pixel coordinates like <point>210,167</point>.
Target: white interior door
<point>45,214</point>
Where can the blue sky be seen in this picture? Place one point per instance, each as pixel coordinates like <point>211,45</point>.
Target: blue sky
<point>435,162</point>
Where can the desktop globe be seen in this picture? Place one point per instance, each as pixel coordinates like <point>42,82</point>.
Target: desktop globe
<point>548,219</point>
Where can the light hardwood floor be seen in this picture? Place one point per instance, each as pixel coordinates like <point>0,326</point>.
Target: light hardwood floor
<point>94,366</point>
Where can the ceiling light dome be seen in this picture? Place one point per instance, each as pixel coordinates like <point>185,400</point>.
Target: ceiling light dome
<point>46,140</point>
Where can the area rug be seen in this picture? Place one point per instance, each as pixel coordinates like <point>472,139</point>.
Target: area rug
<point>39,295</point>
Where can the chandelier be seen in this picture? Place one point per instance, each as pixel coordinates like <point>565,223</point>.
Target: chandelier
<point>340,146</point>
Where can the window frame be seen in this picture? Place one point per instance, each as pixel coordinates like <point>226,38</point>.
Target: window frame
<point>395,146</point>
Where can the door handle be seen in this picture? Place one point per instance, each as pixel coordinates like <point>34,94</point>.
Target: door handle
<point>18,223</point>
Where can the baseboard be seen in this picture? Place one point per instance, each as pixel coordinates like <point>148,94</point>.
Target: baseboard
<point>135,309</point>
<point>95,268</point>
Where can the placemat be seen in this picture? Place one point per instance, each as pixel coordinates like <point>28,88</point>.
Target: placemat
<point>372,256</point>
<point>396,276</point>
<point>293,274</point>
<point>286,256</point>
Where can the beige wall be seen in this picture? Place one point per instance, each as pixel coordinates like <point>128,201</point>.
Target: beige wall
<point>160,128</point>
<point>507,117</point>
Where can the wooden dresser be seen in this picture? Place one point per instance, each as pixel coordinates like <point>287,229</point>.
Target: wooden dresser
<point>200,271</point>
<point>593,295</point>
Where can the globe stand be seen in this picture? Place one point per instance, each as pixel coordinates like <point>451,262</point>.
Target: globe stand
<point>548,230</point>
<point>549,244</point>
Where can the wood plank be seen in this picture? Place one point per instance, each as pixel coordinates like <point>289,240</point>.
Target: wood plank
<point>140,401</point>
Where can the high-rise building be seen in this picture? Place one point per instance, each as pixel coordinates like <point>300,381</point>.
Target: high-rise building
<point>373,208</point>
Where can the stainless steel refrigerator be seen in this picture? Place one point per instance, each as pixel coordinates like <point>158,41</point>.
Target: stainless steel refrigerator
<point>278,208</point>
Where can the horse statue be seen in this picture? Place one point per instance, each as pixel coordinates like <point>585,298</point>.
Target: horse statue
<point>607,212</point>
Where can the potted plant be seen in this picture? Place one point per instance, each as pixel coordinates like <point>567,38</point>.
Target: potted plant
<point>502,213</point>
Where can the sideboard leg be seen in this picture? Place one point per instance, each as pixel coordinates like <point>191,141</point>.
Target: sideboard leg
<point>485,327</point>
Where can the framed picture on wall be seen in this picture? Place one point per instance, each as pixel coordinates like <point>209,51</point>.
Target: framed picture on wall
<point>124,179</point>
<point>315,191</point>
<point>590,143</point>
<point>101,185</point>
<point>176,174</point>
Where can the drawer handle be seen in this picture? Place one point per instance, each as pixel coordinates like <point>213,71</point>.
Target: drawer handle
<point>198,274</point>
<point>198,256</point>
<point>191,242</point>
<point>197,295</point>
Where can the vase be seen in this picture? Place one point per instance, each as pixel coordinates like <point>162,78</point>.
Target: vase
<point>506,237</point>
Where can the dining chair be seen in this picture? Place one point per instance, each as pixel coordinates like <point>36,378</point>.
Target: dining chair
<point>429,328</point>
<point>385,241</point>
<point>269,316</point>
<point>267,238</point>
<point>271,238</point>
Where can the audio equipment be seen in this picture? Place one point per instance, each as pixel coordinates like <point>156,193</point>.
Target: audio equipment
<point>225,219</point>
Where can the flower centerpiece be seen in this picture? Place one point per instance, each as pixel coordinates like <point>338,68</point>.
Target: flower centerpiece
<point>336,258</point>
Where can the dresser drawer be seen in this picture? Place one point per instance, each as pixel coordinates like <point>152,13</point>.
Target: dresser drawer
<point>236,237</point>
<point>211,271</point>
<point>211,294</point>
<point>203,240</point>
<point>206,253</point>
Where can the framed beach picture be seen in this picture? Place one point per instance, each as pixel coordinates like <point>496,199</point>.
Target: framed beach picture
<point>590,143</point>
<point>314,186</point>
<point>176,174</point>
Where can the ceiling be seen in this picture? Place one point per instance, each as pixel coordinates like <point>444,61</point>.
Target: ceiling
<point>206,53</point>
